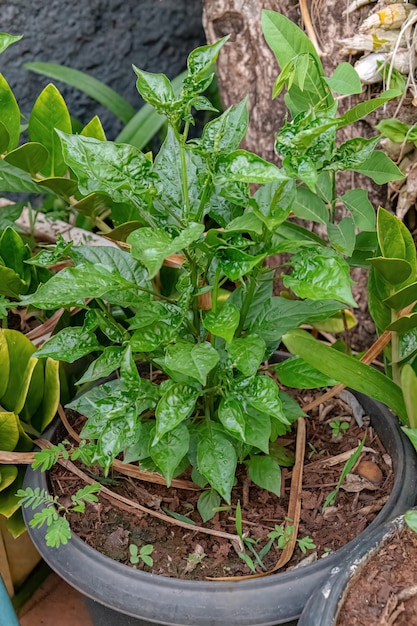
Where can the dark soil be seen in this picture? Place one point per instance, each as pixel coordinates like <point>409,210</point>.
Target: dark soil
<point>110,529</point>
<point>384,592</point>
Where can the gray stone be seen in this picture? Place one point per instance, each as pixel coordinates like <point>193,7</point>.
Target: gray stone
<point>101,37</point>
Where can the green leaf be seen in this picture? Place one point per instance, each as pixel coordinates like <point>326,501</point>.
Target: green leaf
<point>342,235</point>
<point>265,472</point>
<point>48,115</point>
<point>364,108</point>
<point>146,122</point>
<point>58,533</point>
<point>107,362</point>
<point>345,80</point>
<point>6,40</point>
<point>224,322</point>
<point>295,372</point>
<point>151,246</point>
<point>224,134</point>
<point>380,168</point>
<point>352,154</point>
<point>395,240</point>
<point>231,416</point>
<point>409,388</point>
<point>176,405</point>
<point>320,273</point>
<point>263,394</point>
<point>9,113</point>
<point>154,88</point>
<point>403,297</point>
<point>347,370</point>
<point>119,170</point>
<point>94,129</point>
<point>395,271</point>
<point>258,429</point>
<point>404,324</point>
<point>8,474</point>
<point>393,129</point>
<point>207,501</point>
<point>88,84</point>
<point>217,461</point>
<point>275,201</point>
<point>363,214</point>
<point>69,345</point>
<point>235,263</point>
<point>195,360</point>
<point>30,157</point>
<point>201,59</point>
<point>169,451</point>
<point>411,519</point>
<point>16,180</point>
<point>20,351</point>
<point>246,167</point>
<point>279,315</point>
<point>247,353</point>
<point>308,206</point>
<point>9,431</point>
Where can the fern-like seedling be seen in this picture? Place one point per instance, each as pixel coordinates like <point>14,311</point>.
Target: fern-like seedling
<point>53,513</point>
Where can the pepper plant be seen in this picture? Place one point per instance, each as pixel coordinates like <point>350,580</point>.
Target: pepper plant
<point>191,389</point>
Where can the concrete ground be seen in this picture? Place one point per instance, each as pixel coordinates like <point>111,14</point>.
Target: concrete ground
<point>54,604</point>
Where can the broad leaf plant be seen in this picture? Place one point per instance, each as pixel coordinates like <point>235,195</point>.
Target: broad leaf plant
<point>180,318</point>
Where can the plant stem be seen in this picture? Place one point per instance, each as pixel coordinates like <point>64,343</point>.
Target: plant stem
<point>184,179</point>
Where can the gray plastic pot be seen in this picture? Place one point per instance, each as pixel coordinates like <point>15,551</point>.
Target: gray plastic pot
<point>324,605</point>
<point>276,599</point>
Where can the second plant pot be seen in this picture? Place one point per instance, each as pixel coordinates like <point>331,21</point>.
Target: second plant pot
<point>132,597</point>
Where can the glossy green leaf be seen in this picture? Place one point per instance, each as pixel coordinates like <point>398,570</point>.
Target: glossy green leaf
<point>247,353</point>
<point>151,246</point>
<point>411,434</point>
<point>69,345</point>
<point>308,206</point>
<point>342,235</point>
<point>395,240</point>
<point>363,213</point>
<point>4,138</point>
<point>48,115</point>
<point>320,273</point>
<point>113,259</point>
<point>94,129</point>
<point>231,416</point>
<point>30,157</point>
<point>11,284</point>
<point>20,351</point>
<point>225,132</point>
<point>246,167</point>
<point>34,394</point>
<point>119,170</point>
<point>64,187</point>
<point>410,518</point>
<point>217,460</point>
<point>295,372</point>
<point>6,40</point>
<point>348,370</point>
<point>409,388</point>
<point>207,502</point>
<point>403,297</point>
<point>395,271</point>
<point>380,168</point>
<point>407,344</point>
<point>224,322</point>
<point>235,263</point>
<point>393,129</point>
<point>352,153</point>
<point>4,364</point>
<point>194,360</point>
<point>9,502</point>
<point>275,201</point>
<point>169,451</point>
<point>201,59</point>
<point>345,80</point>
<point>176,405</point>
<point>265,472</point>
<point>154,88</point>
<point>246,223</point>
<point>73,284</point>
<point>103,366</point>
<point>9,113</point>
<point>9,431</point>
<point>404,324</point>
<point>365,108</point>
<point>263,394</point>
<point>94,88</point>
<point>16,180</point>
<point>258,429</point>
<point>8,474</point>
<point>51,396</point>
<point>279,315</point>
